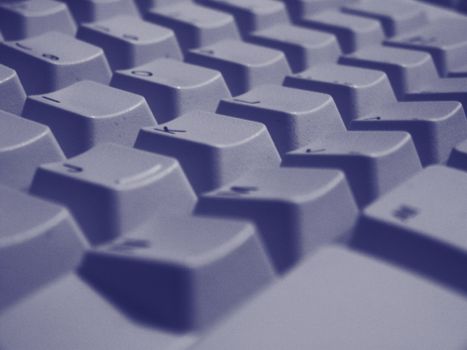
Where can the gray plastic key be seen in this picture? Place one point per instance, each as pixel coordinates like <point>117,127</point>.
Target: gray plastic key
<point>212,149</point>
<point>194,25</point>
<point>145,5</point>
<point>53,61</point>
<point>436,127</point>
<point>356,91</point>
<point>421,225</point>
<point>112,189</point>
<point>303,47</point>
<point>88,113</point>
<point>173,88</point>
<point>458,157</point>
<point>443,39</point>
<point>374,162</point>
<point>339,299</point>
<point>12,95</point>
<point>252,15</point>
<point>24,145</point>
<point>39,241</point>
<point>296,210</point>
<point>396,16</point>
<point>353,32</point>
<point>97,10</point>
<point>129,42</point>
<point>305,8</point>
<point>293,117</point>
<point>182,273</point>
<point>244,66</point>
<point>24,19</point>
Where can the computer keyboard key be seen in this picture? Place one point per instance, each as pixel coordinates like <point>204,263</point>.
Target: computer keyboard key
<point>12,94</point>
<point>446,89</point>
<point>194,25</point>
<point>173,88</point>
<point>303,47</point>
<point>145,5</point>
<point>339,299</point>
<point>88,113</point>
<point>296,210</point>
<point>436,127</point>
<point>54,60</point>
<point>356,91</point>
<point>409,71</point>
<point>396,16</point>
<point>374,162</point>
<point>252,15</point>
<point>39,241</point>
<point>24,145</point>
<point>244,66</point>
<point>305,8</point>
<point>129,42</point>
<point>212,149</point>
<point>97,10</point>
<point>353,32</point>
<point>443,39</point>
<point>458,157</point>
<point>293,117</point>
<point>421,225</point>
<point>112,189</point>
<point>19,20</point>
<point>182,273</point>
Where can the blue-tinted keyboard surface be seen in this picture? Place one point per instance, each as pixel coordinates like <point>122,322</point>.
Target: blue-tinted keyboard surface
<point>233,174</point>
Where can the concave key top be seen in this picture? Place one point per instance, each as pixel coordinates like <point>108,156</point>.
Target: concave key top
<point>182,272</point>
<point>296,210</point>
<point>39,241</point>
<point>24,145</point>
<point>173,88</point>
<point>129,42</point>
<point>12,95</point>
<point>112,189</point>
<point>421,225</point>
<point>244,66</point>
<point>374,162</point>
<point>212,149</point>
<point>22,19</point>
<point>53,61</point>
<point>339,299</point>
<point>97,10</point>
<point>88,113</point>
<point>293,117</point>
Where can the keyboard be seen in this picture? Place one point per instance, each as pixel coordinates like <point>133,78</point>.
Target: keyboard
<point>233,174</point>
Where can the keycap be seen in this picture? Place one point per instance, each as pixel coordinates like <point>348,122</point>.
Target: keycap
<point>396,16</point>
<point>252,15</point>
<point>293,117</point>
<point>112,189</point>
<point>356,91</point>
<point>225,147</point>
<point>244,66</point>
<point>410,71</point>
<point>145,5</point>
<point>458,156</point>
<point>353,32</point>
<point>296,210</point>
<point>87,113</point>
<point>443,39</point>
<point>19,20</point>
<point>435,127</point>
<point>339,299</point>
<point>24,145</point>
<point>194,25</point>
<point>12,95</point>
<point>421,225</point>
<point>84,317</point>
<point>53,60</point>
<point>173,88</point>
<point>97,10</point>
<point>303,47</point>
<point>305,8</point>
<point>129,42</point>
<point>197,269</point>
<point>374,162</point>
<point>39,241</point>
